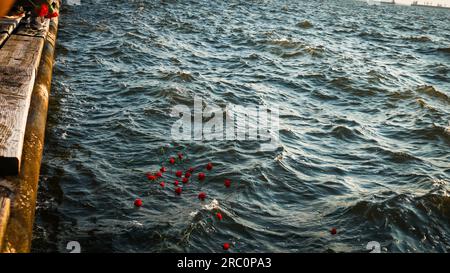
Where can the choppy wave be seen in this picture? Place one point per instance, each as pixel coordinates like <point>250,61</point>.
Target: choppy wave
<point>408,222</point>
<point>363,144</point>
<point>433,92</point>
<point>444,49</point>
<point>418,39</point>
<point>305,24</point>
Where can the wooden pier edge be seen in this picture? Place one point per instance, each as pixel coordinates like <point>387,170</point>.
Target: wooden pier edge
<point>19,228</point>
<point>5,205</point>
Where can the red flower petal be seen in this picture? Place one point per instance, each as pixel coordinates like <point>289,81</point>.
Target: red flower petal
<point>227,183</point>
<point>191,170</point>
<point>180,156</point>
<point>209,166</point>
<point>138,203</point>
<point>162,184</point>
<point>43,10</point>
<point>219,216</point>
<point>179,173</point>
<point>185,180</point>
<point>333,231</point>
<point>52,15</point>
<point>163,169</point>
<point>178,190</point>
<point>202,196</point>
<point>201,176</point>
<point>226,246</point>
<point>176,183</point>
<point>172,160</point>
<point>187,174</point>
<point>151,177</point>
<point>158,174</point>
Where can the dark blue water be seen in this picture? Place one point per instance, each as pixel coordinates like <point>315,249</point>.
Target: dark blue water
<point>363,146</point>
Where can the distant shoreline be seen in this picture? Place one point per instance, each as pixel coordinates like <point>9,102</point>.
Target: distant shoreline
<point>429,6</point>
<point>413,5</point>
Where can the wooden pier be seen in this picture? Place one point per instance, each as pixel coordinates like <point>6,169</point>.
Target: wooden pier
<point>19,60</point>
<point>26,63</point>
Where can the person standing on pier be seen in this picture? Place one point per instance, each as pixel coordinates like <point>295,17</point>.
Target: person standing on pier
<point>5,6</point>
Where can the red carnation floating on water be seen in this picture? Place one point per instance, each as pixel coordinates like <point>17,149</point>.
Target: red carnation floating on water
<point>201,176</point>
<point>158,174</point>
<point>163,169</point>
<point>162,184</point>
<point>151,176</point>
<point>172,160</point>
<point>176,183</point>
<point>333,231</point>
<point>227,183</point>
<point>219,216</point>
<point>202,196</point>
<point>226,246</point>
<point>138,203</point>
<point>178,190</point>
<point>187,174</point>
<point>185,180</point>
<point>179,173</point>
<point>209,166</point>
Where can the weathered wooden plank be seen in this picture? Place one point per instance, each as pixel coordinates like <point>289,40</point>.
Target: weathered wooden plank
<point>21,52</point>
<point>28,30</point>
<point>15,20</point>
<point>7,28</point>
<point>5,204</point>
<point>7,25</point>
<point>23,188</point>
<point>14,82</point>
<point>3,38</point>
<point>13,118</point>
<point>19,59</point>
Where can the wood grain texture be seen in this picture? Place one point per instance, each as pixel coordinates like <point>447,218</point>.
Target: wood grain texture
<point>21,52</point>
<point>27,30</point>
<point>11,20</point>
<point>19,59</point>
<point>3,38</point>
<point>23,188</point>
<point>5,204</point>
<point>7,28</point>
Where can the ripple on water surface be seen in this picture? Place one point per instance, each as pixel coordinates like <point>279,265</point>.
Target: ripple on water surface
<point>363,146</point>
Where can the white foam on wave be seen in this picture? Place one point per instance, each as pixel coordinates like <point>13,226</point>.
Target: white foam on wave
<point>213,205</point>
